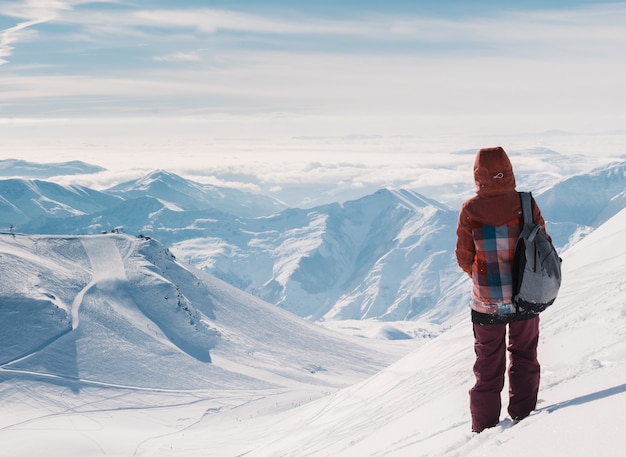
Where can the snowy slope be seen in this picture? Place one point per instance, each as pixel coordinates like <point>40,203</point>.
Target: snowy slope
<point>270,388</point>
<point>419,405</point>
<point>109,343</point>
<point>117,310</point>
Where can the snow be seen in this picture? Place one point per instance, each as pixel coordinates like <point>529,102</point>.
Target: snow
<point>284,390</point>
<point>107,329</point>
<point>114,346</point>
<point>386,256</point>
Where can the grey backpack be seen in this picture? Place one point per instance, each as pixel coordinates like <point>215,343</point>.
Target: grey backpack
<point>536,265</point>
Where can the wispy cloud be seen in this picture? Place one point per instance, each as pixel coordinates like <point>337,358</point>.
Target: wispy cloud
<point>215,20</point>
<point>178,57</point>
<point>42,10</point>
<point>272,100</point>
<point>30,13</point>
<point>596,29</point>
<point>10,36</point>
<point>578,28</point>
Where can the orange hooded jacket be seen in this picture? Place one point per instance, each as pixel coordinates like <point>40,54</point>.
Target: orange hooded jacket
<point>488,227</point>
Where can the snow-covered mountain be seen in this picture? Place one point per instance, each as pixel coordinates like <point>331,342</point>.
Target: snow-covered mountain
<point>25,200</point>
<point>105,342</point>
<point>115,310</point>
<point>587,199</point>
<point>181,194</point>
<point>582,202</point>
<point>388,255</point>
<point>26,169</point>
<point>385,256</point>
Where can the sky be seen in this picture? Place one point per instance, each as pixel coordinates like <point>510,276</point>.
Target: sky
<point>127,83</point>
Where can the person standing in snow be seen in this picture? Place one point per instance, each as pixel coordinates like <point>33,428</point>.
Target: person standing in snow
<point>488,227</point>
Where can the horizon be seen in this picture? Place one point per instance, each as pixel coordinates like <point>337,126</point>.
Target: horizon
<point>285,93</point>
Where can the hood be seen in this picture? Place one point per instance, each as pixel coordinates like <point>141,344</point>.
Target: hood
<point>493,172</point>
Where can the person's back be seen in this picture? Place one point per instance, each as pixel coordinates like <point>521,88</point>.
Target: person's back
<point>488,228</point>
<point>489,225</point>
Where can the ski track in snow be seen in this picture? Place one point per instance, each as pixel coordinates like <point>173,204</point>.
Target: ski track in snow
<point>107,265</point>
<point>107,256</point>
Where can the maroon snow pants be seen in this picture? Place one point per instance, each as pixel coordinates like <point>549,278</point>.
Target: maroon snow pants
<point>490,366</point>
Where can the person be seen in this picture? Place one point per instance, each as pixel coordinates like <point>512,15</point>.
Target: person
<point>488,227</point>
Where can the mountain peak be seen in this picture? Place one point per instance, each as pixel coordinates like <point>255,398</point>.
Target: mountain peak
<point>192,196</point>
<point>158,179</point>
<point>406,197</point>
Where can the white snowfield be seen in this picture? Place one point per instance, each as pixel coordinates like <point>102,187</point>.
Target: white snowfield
<point>110,347</point>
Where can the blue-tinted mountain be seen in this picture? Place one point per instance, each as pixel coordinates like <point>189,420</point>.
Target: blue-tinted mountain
<point>388,255</point>
<point>577,205</point>
<point>187,195</point>
<point>25,169</point>
<point>22,200</point>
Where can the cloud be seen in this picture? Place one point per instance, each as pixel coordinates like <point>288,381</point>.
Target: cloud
<point>593,28</point>
<point>254,154</point>
<point>10,36</point>
<point>31,13</point>
<point>38,10</point>
<point>213,20</point>
<point>178,57</point>
<point>307,76</point>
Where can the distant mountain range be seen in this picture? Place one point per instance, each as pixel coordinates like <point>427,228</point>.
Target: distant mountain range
<point>16,167</point>
<point>23,201</point>
<point>388,255</point>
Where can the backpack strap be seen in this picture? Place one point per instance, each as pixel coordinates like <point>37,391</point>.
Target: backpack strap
<point>527,209</point>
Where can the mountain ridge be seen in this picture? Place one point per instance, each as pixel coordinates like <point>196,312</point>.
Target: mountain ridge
<point>192,196</point>
<point>22,200</point>
<point>26,169</point>
<point>387,255</point>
